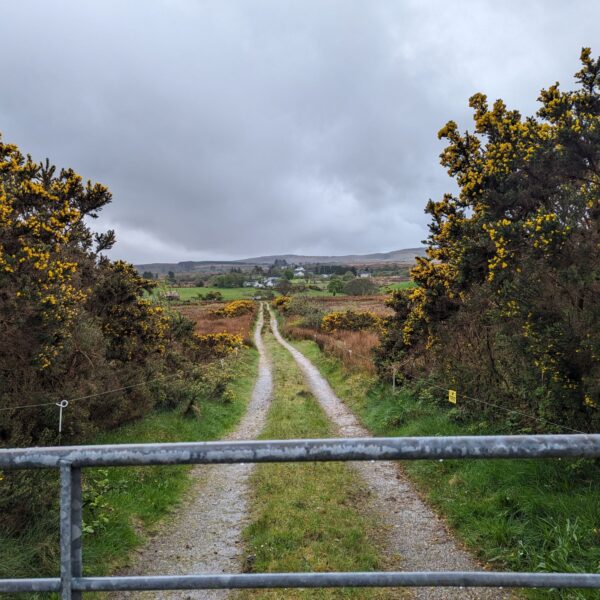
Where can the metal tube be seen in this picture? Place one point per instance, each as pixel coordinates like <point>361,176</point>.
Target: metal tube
<point>407,448</point>
<point>66,565</point>
<point>15,586</point>
<point>76,528</point>
<point>313,580</point>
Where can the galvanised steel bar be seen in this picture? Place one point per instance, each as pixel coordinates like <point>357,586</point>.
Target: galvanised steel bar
<point>406,448</point>
<point>66,565</point>
<point>76,527</point>
<point>15,586</point>
<point>313,580</point>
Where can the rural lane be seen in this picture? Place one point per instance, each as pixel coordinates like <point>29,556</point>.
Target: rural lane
<point>417,539</point>
<point>205,535</point>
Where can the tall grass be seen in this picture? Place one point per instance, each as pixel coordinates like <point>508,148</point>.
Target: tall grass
<point>205,323</point>
<point>354,349</point>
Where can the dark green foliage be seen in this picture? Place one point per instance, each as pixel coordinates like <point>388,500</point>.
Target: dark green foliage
<point>506,306</point>
<point>360,287</point>
<point>73,324</point>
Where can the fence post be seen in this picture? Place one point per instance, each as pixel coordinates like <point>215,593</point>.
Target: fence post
<point>70,529</point>
<point>76,528</point>
<point>66,565</point>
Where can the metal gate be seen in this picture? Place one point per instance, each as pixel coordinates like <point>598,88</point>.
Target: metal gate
<point>70,461</point>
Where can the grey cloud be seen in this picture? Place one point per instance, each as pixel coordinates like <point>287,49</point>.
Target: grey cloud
<point>228,129</point>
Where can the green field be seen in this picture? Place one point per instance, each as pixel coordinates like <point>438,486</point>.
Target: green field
<point>402,285</point>
<point>191,293</point>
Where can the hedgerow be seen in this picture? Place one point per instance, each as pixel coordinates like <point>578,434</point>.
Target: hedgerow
<point>74,325</point>
<point>506,306</point>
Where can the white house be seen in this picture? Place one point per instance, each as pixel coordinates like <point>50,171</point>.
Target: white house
<point>299,272</point>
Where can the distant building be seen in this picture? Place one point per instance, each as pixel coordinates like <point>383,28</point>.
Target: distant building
<point>272,281</point>
<point>364,274</point>
<point>299,272</point>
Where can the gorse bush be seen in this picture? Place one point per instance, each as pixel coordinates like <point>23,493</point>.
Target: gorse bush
<point>507,303</point>
<point>281,302</point>
<point>216,345</point>
<point>350,320</point>
<point>310,313</point>
<point>73,323</point>
<point>234,309</point>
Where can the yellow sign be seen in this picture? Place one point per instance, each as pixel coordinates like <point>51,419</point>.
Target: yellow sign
<point>452,396</point>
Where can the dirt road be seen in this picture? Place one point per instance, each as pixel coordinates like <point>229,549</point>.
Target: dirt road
<point>417,539</point>
<point>206,534</point>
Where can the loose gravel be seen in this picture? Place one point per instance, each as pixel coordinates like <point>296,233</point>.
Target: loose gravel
<point>416,538</point>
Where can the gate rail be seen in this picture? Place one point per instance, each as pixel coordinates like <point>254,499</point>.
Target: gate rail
<point>71,459</point>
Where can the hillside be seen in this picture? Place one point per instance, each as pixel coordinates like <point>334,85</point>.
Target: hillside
<point>404,256</point>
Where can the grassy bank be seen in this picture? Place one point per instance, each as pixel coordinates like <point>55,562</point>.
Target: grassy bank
<point>306,517</point>
<point>122,504</point>
<point>522,515</point>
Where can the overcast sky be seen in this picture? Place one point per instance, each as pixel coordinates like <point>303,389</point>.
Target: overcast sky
<point>228,129</point>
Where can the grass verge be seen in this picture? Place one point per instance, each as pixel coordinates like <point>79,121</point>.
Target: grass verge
<point>306,516</point>
<point>521,515</point>
<point>121,504</point>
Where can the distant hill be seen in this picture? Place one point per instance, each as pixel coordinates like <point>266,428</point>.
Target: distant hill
<point>405,256</point>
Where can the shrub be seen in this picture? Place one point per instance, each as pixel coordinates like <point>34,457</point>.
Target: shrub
<point>212,295</point>
<point>312,314</point>
<point>282,303</point>
<point>506,306</point>
<point>360,287</point>
<point>350,320</point>
<point>234,309</point>
<point>216,345</point>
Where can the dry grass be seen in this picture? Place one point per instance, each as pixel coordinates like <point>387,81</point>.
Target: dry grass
<point>205,323</point>
<point>352,348</point>
<point>374,304</point>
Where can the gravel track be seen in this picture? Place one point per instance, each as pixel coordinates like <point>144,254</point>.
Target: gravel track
<point>417,539</point>
<point>206,534</point>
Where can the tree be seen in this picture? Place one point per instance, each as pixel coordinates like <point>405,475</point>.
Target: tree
<point>288,274</point>
<point>171,276</point>
<point>507,302</point>
<point>360,287</point>
<point>284,286</point>
<point>72,322</point>
<point>148,275</point>
<point>335,286</point>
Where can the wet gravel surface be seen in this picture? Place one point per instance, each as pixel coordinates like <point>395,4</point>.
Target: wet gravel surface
<point>205,535</point>
<point>416,538</point>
